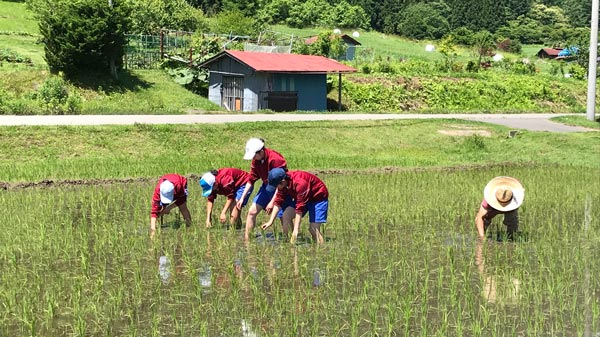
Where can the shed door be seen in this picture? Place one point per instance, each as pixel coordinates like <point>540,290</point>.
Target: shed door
<point>232,97</point>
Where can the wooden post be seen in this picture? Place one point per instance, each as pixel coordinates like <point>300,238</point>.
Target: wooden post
<point>162,36</point>
<point>339,91</point>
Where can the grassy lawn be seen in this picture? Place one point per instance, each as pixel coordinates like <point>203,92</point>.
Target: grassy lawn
<point>37,153</point>
<point>579,121</point>
<point>16,18</point>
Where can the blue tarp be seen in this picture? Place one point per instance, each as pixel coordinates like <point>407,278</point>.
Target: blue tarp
<point>569,51</point>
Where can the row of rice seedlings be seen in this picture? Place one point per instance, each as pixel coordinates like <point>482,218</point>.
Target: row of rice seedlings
<point>401,263</point>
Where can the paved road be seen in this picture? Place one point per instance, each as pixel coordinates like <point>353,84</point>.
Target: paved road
<point>534,122</point>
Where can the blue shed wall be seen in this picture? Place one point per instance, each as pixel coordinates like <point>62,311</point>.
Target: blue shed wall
<point>311,88</point>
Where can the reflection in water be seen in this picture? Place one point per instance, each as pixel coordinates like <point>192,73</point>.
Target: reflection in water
<point>266,237</point>
<point>164,269</point>
<point>317,277</point>
<point>205,277</point>
<point>496,289</point>
<point>247,329</point>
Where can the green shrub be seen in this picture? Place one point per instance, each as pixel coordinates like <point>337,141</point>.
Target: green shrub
<point>463,36</point>
<point>82,36</point>
<point>577,71</point>
<point>54,97</point>
<point>13,57</point>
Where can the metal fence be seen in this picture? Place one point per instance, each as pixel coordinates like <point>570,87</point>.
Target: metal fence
<point>146,51</point>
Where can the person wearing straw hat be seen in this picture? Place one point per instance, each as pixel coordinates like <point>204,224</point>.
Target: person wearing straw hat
<point>263,160</point>
<point>231,183</point>
<point>298,192</point>
<point>170,191</point>
<point>502,195</point>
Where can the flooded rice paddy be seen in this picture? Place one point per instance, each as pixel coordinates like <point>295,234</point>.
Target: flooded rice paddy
<point>401,258</point>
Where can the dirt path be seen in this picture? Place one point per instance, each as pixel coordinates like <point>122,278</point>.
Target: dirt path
<point>533,122</point>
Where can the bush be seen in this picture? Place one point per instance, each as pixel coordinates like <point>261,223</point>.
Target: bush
<point>150,16</point>
<point>422,21</point>
<point>82,36</point>
<point>511,46</point>
<point>54,97</point>
<point>577,71</point>
<point>463,36</point>
<point>234,22</point>
<point>13,57</point>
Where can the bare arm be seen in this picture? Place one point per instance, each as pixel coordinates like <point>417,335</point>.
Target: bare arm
<point>272,218</point>
<point>269,207</point>
<point>186,214</point>
<point>479,222</point>
<point>152,226</point>
<point>297,221</point>
<point>209,207</point>
<point>243,197</point>
<point>228,203</point>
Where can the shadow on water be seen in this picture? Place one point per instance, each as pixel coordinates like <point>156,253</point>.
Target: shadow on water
<point>279,238</point>
<point>171,222</point>
<point>502,236</point>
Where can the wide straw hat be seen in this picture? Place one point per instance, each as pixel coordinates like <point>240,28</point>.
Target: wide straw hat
<point>504,194</point>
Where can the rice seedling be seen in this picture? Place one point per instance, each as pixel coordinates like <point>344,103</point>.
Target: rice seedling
<point>400,259</point>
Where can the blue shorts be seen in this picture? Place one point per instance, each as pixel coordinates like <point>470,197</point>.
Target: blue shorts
<point>240,191</point>
<point>317,211</point>
<point>263,198</point>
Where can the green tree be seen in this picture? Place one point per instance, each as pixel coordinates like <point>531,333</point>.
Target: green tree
<point>542,24</point>
<point>308,13</point>
<point>423,21</point>
<point>85,35</point>
<point>344,15</point>
<point>579,12</point>
<point>234,22</point>
<point>150,16</point>
<point>275,11</point>
<point>483,45</point>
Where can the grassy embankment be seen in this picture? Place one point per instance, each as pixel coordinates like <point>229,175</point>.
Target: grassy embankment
<point>414,84</point>
<point>36,153</point>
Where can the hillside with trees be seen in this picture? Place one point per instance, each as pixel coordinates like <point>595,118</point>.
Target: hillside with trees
<point>479,48</point>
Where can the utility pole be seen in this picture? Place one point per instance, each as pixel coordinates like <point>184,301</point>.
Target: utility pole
<point>593,63</point>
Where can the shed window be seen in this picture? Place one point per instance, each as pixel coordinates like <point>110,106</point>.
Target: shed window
<point>232,97</point>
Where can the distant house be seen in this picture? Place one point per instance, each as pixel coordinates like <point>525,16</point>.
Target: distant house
<point>250,81</point>
<point>549,53</point>
<point>350,42</point>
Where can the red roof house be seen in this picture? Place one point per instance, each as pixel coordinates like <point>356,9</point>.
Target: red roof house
<point>250,81</point>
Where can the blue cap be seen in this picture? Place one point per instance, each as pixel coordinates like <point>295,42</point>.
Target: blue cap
<point>206,182</point>
<point>276,175</point>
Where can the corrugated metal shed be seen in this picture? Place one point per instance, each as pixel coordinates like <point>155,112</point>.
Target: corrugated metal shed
<point>284,63</point>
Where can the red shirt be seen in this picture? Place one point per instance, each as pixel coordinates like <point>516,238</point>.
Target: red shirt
<point>491,211</point>
<point>259,169</point>
<point>304,187</point>
<point>179,193</point>
<point>227,182</point>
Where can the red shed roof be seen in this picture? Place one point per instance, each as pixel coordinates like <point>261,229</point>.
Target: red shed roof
<point>552,51</point>
<point>284,63</point>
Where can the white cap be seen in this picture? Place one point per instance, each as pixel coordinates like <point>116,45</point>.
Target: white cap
<point>167,192</point>
<point>252,146</point>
